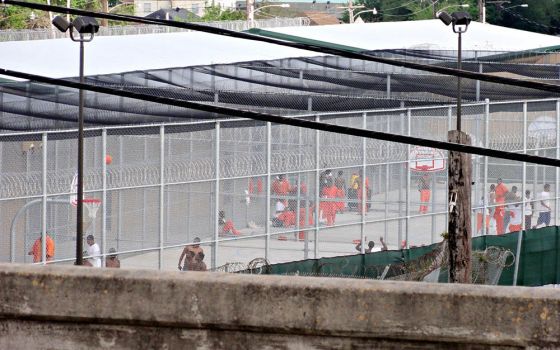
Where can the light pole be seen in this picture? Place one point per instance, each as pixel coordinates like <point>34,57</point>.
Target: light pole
<point>83,26</point>
<point>351,9</point>
<point>459,175</point>
<point>252,11</point>
<point>374,11</point>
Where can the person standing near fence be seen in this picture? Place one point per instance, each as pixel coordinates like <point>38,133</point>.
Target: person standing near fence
<point>516,218</point>
<point>511,199</point>
<point>329,206</point>
<point>37,249</point>
<point>529,207</point>
<point>93,251</point>
<point>425,192</point>
<point>358,181</point>
<point>500,191</point>
<point>544,207</point>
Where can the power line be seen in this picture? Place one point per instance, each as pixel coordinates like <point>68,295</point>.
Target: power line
<point>298,122</point>
<point>310,47</point>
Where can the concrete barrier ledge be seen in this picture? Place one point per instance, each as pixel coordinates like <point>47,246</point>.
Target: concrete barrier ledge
<point>309,310</point>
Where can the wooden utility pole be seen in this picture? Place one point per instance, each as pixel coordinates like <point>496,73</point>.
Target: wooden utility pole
<point>105,9</point>
<point>481,11</point>
<point>459,225</point>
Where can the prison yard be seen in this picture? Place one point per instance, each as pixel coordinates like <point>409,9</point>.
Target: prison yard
<point>270,183</point>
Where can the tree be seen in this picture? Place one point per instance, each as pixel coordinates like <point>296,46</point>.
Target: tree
<point>216,13</point>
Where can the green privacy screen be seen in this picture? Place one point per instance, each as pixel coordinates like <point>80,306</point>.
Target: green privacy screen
<point>539,261</point>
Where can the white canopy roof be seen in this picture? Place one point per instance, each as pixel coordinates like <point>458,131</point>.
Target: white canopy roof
<point>115,54</point>
<point>428,34</point>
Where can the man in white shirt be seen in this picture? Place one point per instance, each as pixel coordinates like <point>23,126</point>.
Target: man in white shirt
<point>93,251</point>
<point>544,206</point>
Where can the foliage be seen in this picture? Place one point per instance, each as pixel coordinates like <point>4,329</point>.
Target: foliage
<point>13,17</point>
<point>216,13</point>
<point>124,9</point>
<point>541,16</point>
<point>16,17</point>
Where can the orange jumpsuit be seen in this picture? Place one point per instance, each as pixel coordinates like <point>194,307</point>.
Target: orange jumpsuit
<point>329,207</point>
<point>38,247</point>
<point>359,190</point>
<point>425,193</point>
<point>228,229</point>
<point>500,191</point>
<point>288,218</point>
<point>341,195</point>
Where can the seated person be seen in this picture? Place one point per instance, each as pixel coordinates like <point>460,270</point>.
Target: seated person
<point>226,226</point>
<point>286,218</point>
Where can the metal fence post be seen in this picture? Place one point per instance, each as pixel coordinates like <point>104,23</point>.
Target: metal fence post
<point>215,243</point>
<point>387,184</point>
<point>557,179</point>
<point>363,189</point>
<point>480,70</point>
<point>486,143</point>
<point>388,85</point>
<point>317,194</point>
<point>520,234</point>
<point>408,132</point>
<point>268,188</point>
<point>104,195</point>
<point>449,127</point>
<point>44,203</point>
<point>161,193</point>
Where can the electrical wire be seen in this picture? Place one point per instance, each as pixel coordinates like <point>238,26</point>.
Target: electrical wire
<point>297,122</point>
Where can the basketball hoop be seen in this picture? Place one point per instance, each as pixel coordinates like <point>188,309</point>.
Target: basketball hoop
<point>92,205</point>
<point>426,159</point>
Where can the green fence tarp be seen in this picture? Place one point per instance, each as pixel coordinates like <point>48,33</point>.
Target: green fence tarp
<point>539,261</point>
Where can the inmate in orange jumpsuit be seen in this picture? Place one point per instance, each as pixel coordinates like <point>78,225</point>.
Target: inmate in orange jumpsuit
<point>329,207</point>
<point>500,191</point>
<point>359,190</point>
<point>37,248</point>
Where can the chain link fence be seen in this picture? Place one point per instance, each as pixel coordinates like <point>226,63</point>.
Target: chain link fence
<point>252,190</point>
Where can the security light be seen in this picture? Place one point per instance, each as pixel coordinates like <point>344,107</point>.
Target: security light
<point>444,17</point>
<point>85,25</point>
<point>461,21</point>
<point>61,23</point>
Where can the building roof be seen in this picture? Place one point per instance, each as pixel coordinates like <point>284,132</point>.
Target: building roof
<point>116,54</point>
<point>176,14</point>
<point>426,34</point>
<point>321,18</point>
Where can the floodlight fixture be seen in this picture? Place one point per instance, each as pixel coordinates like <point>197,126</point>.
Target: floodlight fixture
<point>61,23</point>
<point>85,25</point>
<point>444,17</point>
<point>461,21</point>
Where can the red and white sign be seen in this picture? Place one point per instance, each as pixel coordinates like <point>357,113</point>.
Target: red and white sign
<point>426,159</point>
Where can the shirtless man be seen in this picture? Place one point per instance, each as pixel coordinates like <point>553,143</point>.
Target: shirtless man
<point>194,249</point>
<point>198,264</point>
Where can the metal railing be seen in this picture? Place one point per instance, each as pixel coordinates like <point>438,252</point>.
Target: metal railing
<point>45,33</point>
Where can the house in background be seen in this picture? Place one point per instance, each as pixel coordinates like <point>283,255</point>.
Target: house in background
<point>144,8</point>
<point>176,14</point>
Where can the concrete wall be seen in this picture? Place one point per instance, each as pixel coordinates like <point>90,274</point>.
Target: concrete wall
<point>83,308</point>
